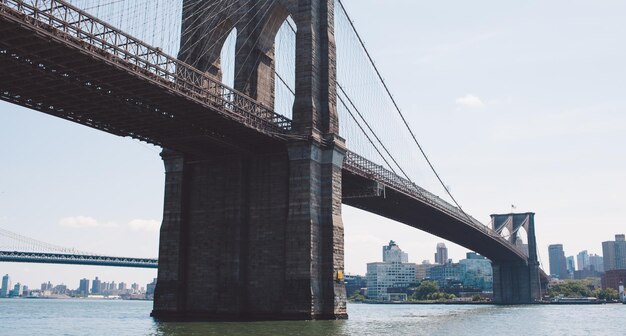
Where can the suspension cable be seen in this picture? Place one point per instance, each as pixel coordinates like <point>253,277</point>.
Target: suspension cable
<point>398,108</point>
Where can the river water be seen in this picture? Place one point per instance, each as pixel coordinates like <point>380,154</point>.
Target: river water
<point>118,318</point>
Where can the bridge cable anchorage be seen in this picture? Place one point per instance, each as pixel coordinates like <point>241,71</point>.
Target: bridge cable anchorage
<point>430,164</point>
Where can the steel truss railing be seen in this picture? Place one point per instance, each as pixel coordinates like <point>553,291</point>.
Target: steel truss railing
<point>99,37</point>
<point>361,166</point>
<point>78,259</point>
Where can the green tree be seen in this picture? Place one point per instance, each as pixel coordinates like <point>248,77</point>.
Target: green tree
<point>608,294</point>
<point>357,297</point>
<point>571,288</point>
<point>425,289</point>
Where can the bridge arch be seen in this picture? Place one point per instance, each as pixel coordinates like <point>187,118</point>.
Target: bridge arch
<point>201,44</point>
<point>255,63</point>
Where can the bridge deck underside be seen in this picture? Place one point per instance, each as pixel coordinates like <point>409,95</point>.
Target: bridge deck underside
<point>41,71</point>
<point>406,209</point>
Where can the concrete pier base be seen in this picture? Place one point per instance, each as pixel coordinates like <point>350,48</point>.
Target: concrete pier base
<point>252,237</point>
<point>516,283</point>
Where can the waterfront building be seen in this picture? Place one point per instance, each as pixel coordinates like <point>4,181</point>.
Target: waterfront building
<point>447,275</point>
<point>122,286</point>
<point>614,253</point>
<point>596,263</point>
<point>46,286</point>
<point>421,270</point>
<point>582,260</point>
<point>60,289</point>
<point>587,273</point>
<point>558,267</point>
<point>6,286</point>
<point>612,278</point>
<point>393,253</point>
<point>96,286</point>
<point>354,283</point>
<point>83,288</point>
<point>385,275</point>
<point>150,289</point>
<point>17,290</point>
<point>478,272</point>
<point>441,256</point>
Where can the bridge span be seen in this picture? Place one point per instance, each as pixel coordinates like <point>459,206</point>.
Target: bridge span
<point>76,259</point>
<point>252,223</point>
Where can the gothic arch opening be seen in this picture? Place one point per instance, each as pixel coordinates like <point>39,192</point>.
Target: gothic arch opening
<point>285,67</point>
<point>227,58</point>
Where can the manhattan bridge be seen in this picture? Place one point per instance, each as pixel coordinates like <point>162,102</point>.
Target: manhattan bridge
<point>271,115</point>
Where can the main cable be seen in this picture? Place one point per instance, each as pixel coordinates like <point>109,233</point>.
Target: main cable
<point>398,108</point>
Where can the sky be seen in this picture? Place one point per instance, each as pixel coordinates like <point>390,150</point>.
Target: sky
<point>516,103</point>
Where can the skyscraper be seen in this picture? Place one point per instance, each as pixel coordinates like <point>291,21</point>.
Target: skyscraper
<point>391,273</point>
<point>570,265</point>
<point>558,268</point>
<point>83,288</point>
<point>596,263</point>
<point>6,286</point>
<point>393,253</point>
<point>582,260</point>
<point>614,253</point>
<point>441,256</point>
<point>96,286</point>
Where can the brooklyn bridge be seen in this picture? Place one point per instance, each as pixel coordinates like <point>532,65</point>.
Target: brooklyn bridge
<point>258,159</point>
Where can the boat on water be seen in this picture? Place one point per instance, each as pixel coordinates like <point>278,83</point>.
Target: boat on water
<point>577,300</point>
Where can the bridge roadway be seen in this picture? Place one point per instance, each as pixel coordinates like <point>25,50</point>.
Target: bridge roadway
<point>60,61</point>
<point>76,259</point>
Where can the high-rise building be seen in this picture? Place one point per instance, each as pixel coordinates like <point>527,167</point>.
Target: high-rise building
<point>478,272</point>
<point>596,263</point>
<point>558,267</point>
<point>393,253</point>
<point>421,270</point>
<point>96,286</point>
<point>83,288</point>
<point>441,256</point>
<point>394,274</point>
<point>582,260</point>
<point>150,288</point>
<point>17,290</point>
<point>46,286</point>
<point>5,290</point>
<point>614,253</point>
<point>570,266</point>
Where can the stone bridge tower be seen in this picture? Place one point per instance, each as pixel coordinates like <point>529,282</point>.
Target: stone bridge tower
<point>517,282</point>
<point>253,232</point>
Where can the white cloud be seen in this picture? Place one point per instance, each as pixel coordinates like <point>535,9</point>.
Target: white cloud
<point>470,100</point>
<point>81,222</point>
<point>148,225</point>
<point>78,222</point>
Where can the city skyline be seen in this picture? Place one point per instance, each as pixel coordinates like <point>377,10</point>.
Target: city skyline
<point>532,119</point>
<point>51,284</point>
